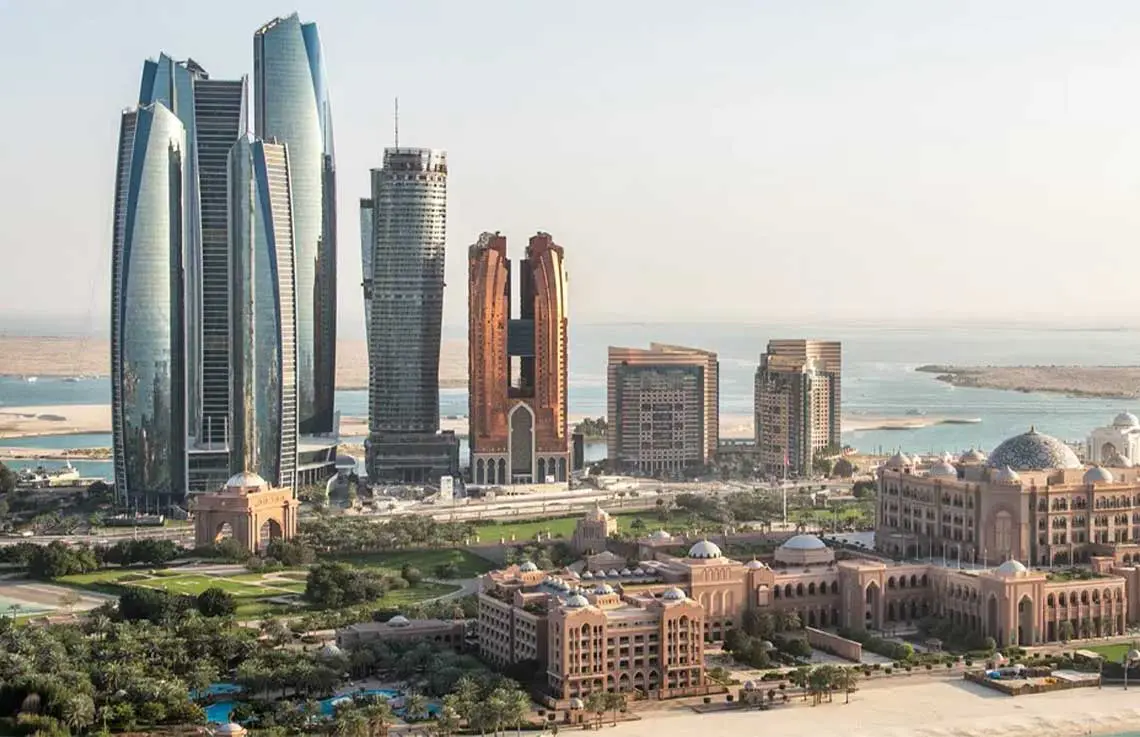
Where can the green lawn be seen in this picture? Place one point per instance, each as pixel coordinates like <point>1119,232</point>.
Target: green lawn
<point>196,584</point>
<point>1112,653</point>
<point>470,565</point>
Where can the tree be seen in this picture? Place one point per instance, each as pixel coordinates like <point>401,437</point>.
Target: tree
<point>335,585</point>
<point>415,707</point>
<point>68,600</point>
<point>78,712</point>
<point>846,679</point>
<point>615,701</point>
<point>446,721</point>
<point>517,705</point>
<point>348,721</point>
<point>216,602</point>
<point>596,703</point>
<point>1065,631</point>
<point>411,574</point>
<point>7,480</point>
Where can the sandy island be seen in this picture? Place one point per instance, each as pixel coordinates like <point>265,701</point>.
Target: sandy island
<point>1110,382</point>
<point>952,708</point>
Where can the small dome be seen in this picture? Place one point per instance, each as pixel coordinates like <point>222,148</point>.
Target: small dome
<point>603,589</point>
<point>1097,475</point>
<point>576,703</point>
<point>704,549</point>
<point>972,456</point>
<point>1005,476</point>
<point>587,576</point>
<point>803,542</point>
<point>1126,420</point>
<point>898,460</point>
<point>942,470</point>
<point>766,645</point>
<point>331,651</point>
<point>613,573</point>
<point>1033,451</point>
<point>246,480</point>
<point>754,565</point>
<point>231,730</point>
<point>749,686</point>
<point>345,462</point>
<point>528,567</point>
<point>638,571</point>
<point>1115,460</point>
<point>626,572</point>
<point>674,594</point>
<point>660,535</point>
<point>576,601</point>
<point>399,621</point>
<point>1011,568</point>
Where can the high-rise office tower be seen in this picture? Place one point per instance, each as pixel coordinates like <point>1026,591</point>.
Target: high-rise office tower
<point>517,366</point>
<point>367,228</point>
<point>797,403</point>
<point>148,344</point>
<point>292,107</point>
<point>213,112</point>
<point>263,341</point>
<point>409,216</point>
<point>662,407</point>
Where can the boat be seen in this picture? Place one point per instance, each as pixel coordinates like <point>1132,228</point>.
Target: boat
<point>31,379</point>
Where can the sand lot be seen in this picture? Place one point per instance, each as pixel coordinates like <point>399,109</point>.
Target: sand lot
<point>34,597</point>
<point>925,709</point>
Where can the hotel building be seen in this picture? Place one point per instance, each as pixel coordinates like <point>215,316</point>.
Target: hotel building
<point>797,404</point>
<point>518,365</point>
<point>663,408</point>
<point>407,215</point>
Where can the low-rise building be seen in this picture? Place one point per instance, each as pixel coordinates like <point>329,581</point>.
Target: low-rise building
<point>444,632</point>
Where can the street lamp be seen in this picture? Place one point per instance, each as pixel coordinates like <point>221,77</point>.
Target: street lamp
<point>1130,657</point>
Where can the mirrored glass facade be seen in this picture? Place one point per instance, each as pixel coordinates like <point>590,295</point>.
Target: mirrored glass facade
<point>264,342</point>
<point>291,106</point>
<point>147,328</point>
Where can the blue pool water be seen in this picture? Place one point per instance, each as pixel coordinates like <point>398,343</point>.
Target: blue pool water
<point>219,711</point>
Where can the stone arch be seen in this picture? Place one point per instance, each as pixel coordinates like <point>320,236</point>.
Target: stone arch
<point>913,581</point>
<point>270,530</point>
<point>1108,450</point>
<point>480,471</point>
<point>891,582</point>
<point>521,422</point>
<point>799,589</point>
<point>1026,620</point>
<point>872,598</point>
<point>811,589</point>
<point>223,531</point>
<point>561,469</point>
<point>902,582</point>
<point>502,471</point>
<point>540,477</point>
<point>835,587</point>
<point>787,591</point>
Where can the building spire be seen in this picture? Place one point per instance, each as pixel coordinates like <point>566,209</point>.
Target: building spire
<point>396,122</point>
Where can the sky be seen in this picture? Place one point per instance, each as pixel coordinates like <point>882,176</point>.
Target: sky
<point>944,160</point>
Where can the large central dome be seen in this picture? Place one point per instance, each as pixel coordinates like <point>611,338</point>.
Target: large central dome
<point>1033,451</point>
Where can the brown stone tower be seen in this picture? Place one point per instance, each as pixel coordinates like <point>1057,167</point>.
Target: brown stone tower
<point>517,366</point>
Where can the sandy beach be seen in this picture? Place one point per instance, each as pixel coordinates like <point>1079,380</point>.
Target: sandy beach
<point>951,708</point>
<point>1113,382</point>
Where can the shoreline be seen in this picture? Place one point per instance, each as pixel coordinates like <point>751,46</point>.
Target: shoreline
<point>1096,382</point>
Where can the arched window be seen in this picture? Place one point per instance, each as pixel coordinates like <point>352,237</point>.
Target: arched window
<point>913,580</point>
<point>891,582</point>
<point>835,587</point>
<point>799,589</point>
<point>811,589</point>
<point>787,591</point>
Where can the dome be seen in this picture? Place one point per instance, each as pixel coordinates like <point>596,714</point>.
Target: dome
<point>345,462</point>
<point>749,685</point>
<point>613,573</point>
<point>399,621</point>
<point>230,730</point>
<point>898,460</point>
<point>626,572</point>
<point>972,456</point>
<point>704,549</point>
<point>767,646</point>
<point>246,480</point>
<point>1011,568</point>
<point>639,571</point>
<point>576,601</point>
<point>576,703</point>
<point>1005,476</point>
<point>603,589</point>
<point>660,535</point>
<point>673,594</point>
<point>1126,420</point>
<point>331,651</point>
<point>587,576</point>
<point>803,542</point>
<point>1033,451</point>
<point>1115,460</point>
<point>1097,475</point>
<point>754,565</point>
<point>942,470</point>
<point>528,567</point>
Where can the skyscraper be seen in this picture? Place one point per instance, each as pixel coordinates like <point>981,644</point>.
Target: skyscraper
<point>213,112</point>
<point>263,341</point>
<point>148,345</point>
<point>292,107</point>
<point>409,215</point>
<point>517,366</point>
<point>367,228</point>
<point>797,403</point>
<point>662,408</point>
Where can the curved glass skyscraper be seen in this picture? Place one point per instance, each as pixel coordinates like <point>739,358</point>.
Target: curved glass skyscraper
<point>264,313</point>
<point>147,328</point>
<point>291,106</point>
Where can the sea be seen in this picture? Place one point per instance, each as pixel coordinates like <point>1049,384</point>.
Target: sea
<point>879,380</point>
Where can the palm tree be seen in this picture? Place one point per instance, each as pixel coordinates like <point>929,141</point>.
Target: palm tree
<point>799,678</point>
<point>446,721</point>
<point>378,714</point>
<point>596,703</point>
<point>517,708</point>
<point>615,702</point>
<point>78,712</point>
<point>349,722</point>
<point>846,679</point>
<point>415,707</point>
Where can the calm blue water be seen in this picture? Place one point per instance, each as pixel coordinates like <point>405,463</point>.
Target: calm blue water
<point>879,379</point>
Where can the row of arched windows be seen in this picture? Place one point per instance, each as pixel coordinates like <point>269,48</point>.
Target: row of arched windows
<point>788,591</point>
<point>902,581</point>
<point>1084,597</point>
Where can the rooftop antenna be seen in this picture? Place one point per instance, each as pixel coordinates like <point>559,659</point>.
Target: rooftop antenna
<point>397,122</point>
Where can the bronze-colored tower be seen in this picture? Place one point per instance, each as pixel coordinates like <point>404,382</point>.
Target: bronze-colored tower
<point>517,366</point>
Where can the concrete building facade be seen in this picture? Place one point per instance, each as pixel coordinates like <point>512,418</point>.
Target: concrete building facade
<point>797,404</point>
<point>662,406</point>
<point>517,366</point>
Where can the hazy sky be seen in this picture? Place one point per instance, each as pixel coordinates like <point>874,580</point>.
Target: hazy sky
<point>732,160</point>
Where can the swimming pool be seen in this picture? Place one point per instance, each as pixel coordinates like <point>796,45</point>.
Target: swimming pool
<point>219,711</point>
